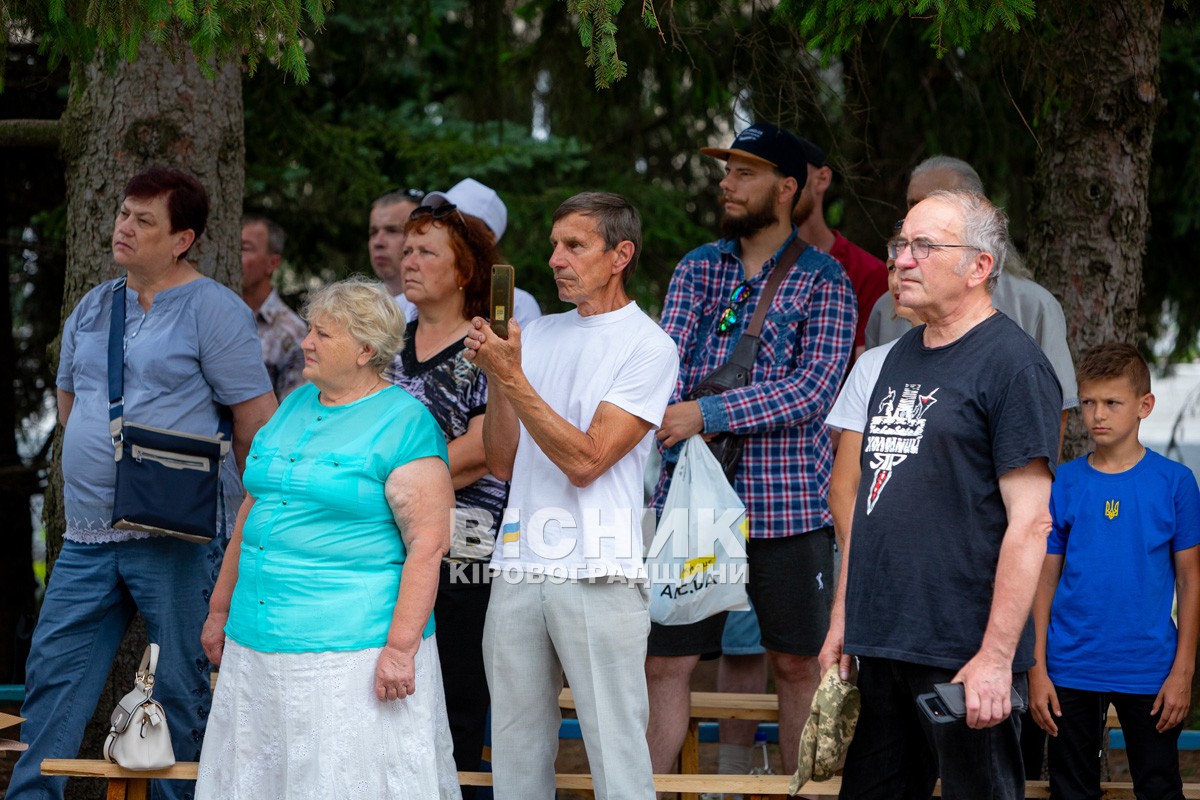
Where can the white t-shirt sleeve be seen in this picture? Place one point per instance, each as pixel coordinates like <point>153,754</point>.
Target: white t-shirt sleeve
<point>849,412</point>
<point>645,381</point>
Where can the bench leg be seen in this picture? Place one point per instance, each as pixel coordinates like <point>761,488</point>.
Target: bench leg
<point>689,755</point>
<point>117,789</point>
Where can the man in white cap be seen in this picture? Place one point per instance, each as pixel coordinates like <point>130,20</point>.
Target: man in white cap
<point>477,200</point>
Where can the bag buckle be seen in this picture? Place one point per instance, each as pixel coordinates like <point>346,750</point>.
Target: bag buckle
<point>116,430</point>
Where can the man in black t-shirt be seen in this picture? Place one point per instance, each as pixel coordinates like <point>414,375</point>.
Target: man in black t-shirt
<point>950,522</point>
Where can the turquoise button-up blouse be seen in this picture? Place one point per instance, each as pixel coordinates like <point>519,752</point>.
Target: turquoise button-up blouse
<point>321,553</point>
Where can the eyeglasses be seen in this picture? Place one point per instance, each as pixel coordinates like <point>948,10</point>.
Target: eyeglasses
<point>737,298</point>
<point>416,195</point>
<point>439,208</point>
<point>920,247</point>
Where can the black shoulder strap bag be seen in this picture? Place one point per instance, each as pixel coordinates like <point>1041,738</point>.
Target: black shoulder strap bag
<point>739,370</point>
<point>168,482</point>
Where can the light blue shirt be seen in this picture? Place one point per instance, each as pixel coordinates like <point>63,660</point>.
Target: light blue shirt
<point>321,554</point>
<point>195,348</point>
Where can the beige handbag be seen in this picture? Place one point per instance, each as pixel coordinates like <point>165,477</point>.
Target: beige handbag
<point>139,737</point>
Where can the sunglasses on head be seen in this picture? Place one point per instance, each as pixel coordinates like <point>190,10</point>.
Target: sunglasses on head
<point>438,208</point>
<point>416,195</point>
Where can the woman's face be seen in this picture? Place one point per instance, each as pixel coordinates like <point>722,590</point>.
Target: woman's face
<point>901,312</point>
<point>142,237</point>
<point>332,357</point>
<point>428,267</point>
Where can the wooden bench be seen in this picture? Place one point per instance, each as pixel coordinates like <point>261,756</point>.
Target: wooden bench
<point>710,705</point>
<point>124,784</point>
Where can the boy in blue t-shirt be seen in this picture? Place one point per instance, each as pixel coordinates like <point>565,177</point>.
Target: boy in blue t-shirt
<point>1126,525</point>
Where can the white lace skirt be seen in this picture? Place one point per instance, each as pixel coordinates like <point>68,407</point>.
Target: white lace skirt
<point>308,725</point>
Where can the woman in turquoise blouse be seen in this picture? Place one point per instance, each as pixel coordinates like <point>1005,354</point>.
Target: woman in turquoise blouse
<point>321,619</point>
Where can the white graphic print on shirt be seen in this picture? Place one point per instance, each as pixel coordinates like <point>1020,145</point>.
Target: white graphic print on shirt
<point>895,433</point>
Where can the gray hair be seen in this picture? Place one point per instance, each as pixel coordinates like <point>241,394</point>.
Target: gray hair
<point>616,221</point>
<point>367,312</point>
<point>983,226</point>
<point>968,179</point>
<point>275,235</point>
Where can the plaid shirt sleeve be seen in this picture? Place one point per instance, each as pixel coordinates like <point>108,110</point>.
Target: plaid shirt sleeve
<point>680,315</point>
<point>824,342</point>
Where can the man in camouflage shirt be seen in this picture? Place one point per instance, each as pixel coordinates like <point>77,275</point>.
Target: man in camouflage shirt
<point>280,330</point>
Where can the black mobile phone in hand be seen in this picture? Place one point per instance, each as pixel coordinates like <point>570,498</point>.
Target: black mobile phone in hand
<point>948,703</point>
<point>502,298</point>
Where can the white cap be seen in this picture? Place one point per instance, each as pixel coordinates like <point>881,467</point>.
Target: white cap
<point>473,198</point>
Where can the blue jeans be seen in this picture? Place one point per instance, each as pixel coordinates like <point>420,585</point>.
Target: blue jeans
<point>94,592</point>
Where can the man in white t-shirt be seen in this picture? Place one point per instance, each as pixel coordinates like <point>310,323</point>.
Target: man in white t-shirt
<point>572,404</point>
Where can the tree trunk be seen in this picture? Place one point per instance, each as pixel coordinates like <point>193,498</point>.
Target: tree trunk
<point>119,122</point>
<point>1090,207</point>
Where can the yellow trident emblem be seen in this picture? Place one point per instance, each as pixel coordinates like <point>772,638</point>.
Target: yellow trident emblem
<point>1112,508</point>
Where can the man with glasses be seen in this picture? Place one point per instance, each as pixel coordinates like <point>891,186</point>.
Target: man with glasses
<point>783,474</point>
<point>1016,294</point>
<point>950,520</point>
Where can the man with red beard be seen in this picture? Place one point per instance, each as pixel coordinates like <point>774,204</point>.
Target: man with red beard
<point>783,474</point>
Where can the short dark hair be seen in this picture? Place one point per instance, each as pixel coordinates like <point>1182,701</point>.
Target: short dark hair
<point>1114,360</point>
<point>276,238</point>
<point>474,250</point>
<point>616,221</point>
<point>187,199</point>
<point>390,198</point>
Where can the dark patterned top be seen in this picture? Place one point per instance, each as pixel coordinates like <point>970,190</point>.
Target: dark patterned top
<point>454,390</point>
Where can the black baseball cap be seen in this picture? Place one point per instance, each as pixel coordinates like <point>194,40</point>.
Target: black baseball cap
<point>813,154</point>
<point>765,142</point>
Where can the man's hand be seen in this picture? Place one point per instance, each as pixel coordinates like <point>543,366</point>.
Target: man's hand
<point>680,421</point>
<point>395,674</point>
<point>1174,698</point>
<point>832,652</point>
<point>987,684</point>
<point>1043,700</point>
<point>499,358</point>
<point>212,636</point>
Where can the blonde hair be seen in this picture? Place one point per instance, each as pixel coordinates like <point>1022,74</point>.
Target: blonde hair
<point>367,312</point>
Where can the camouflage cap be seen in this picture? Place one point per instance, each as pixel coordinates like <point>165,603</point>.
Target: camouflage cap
<point>828,732</point>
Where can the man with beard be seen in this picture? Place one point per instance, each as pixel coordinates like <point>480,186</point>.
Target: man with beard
<point>783,475</point>
<point>867,273</point>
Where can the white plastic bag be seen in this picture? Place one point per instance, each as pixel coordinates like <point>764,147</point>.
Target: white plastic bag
<point>697,561</point>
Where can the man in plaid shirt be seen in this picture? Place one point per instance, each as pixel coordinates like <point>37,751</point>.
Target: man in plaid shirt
<point>783,476</point>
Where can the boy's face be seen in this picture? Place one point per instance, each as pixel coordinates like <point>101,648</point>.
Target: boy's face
<point>1112,410</point>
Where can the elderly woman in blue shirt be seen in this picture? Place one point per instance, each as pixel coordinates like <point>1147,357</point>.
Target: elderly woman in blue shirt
<point>321,619</point>
<point>190,347</point>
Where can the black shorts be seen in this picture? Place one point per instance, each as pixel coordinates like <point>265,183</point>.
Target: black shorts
<point>791,583</point>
